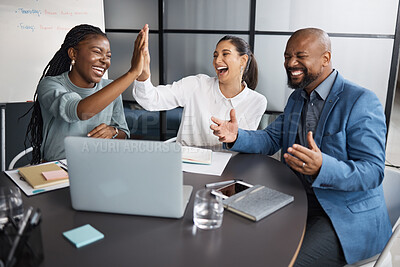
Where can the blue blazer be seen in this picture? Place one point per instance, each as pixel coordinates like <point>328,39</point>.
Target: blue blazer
<point>351,135</point>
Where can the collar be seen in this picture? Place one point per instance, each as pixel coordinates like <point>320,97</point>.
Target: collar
<point>324,88</point>
<point>236,100</point>
<point>80,90</point>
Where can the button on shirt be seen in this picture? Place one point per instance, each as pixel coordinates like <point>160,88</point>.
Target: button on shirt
<point>201,99</point>
<point>310,114</point>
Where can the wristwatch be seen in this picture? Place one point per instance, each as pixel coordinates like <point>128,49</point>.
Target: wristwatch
<point>116,133</point>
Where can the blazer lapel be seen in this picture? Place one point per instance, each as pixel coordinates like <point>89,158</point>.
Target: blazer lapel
<point>330,102</point>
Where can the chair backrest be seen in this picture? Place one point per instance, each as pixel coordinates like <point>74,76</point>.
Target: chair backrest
<point>384,258</point>
<point>171,140</point>
<point>18,157</point>
<point>391,188</point>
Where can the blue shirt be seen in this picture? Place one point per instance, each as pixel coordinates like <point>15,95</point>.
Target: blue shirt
<point>313,105</point>
<point>310,114</point>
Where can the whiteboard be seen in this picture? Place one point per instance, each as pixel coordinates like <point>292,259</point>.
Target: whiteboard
<point>32,31</point>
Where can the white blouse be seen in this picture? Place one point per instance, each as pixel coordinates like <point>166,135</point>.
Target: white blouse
<point>201,98</point>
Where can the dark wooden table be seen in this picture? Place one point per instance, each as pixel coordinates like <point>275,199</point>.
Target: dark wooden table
<point>151,241</point>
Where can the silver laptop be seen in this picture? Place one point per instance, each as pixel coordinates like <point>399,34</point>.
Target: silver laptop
<point>126,176</point>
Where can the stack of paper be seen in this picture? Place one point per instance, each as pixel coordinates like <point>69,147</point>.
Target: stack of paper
<point>196,155</point>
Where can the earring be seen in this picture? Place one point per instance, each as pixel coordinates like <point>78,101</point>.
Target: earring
<point>73,62</point>
<point>241,70</point>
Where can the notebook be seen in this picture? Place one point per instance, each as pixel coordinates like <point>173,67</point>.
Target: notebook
<point>126,176</point>
<point>257,202</point>
<point>196,155</point>
<point>34,175</point>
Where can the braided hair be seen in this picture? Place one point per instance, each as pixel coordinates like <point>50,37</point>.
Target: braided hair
<point>59,64</point>
<point>250,75</point>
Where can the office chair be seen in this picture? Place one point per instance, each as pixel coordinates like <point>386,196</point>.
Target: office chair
<point>18,157</point>
<point>385,258</point>
<point>391,187</point>
<point>171,140</point>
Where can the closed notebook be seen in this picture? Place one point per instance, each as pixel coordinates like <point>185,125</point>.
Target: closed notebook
<point>33,175</point>
<point>257,202</point>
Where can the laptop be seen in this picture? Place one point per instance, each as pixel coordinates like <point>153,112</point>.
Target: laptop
<point>126,176</point>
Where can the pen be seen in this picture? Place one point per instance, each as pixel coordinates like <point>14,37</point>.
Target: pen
<point>65,169</point>
<point>222,183</point>
<point>64,166</point>
<point>21,230</point>
<point>35,218</point>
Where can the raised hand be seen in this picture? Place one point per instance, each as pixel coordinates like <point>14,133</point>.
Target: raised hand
<point>305,160</point>
<point>146,65</point>
<point>226,131</point>
<point>140,51</point>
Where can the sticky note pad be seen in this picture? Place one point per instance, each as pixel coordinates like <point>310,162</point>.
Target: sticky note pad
<point>83,235</point>
<point>54,175</point>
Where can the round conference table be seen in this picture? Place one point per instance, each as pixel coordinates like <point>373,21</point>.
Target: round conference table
<point>152,241</point>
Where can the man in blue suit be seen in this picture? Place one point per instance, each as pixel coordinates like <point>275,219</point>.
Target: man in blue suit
<point>332,134</point>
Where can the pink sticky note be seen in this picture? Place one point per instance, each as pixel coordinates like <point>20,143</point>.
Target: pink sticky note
<point>54,175</point>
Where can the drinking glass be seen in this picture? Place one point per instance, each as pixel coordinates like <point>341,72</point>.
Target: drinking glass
<point>208,210</point>
<point>10,204</point>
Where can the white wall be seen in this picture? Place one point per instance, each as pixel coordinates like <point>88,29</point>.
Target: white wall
<point>365,61</point>
<point>357,53</point>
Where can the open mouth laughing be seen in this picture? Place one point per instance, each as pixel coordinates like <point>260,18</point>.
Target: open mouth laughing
<point>222,70</point>
<point>295,73</point>
<point>99,71</point>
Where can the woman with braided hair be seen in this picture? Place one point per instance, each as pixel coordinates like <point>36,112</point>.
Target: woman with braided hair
<point>72,98</point>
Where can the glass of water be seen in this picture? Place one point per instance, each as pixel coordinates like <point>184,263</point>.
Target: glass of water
<point>10,204</point>
<point>208,210</point>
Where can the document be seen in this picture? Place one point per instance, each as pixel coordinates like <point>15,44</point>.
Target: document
<point>196,155</point>
<point>217,166</point>
<point>28,189</point>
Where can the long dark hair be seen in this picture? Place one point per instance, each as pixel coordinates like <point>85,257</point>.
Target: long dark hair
<point>250,74</point>
<point>59,64</point>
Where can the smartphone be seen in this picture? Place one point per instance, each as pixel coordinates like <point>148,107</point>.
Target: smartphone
<point>231,189</point>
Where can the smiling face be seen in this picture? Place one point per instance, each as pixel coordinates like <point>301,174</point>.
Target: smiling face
<point>228,62</point>
<point>92,58</point>
<point>307,62</point>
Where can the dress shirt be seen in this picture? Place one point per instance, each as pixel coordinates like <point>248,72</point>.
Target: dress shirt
<point>201,99</point>
<point>312,108</point>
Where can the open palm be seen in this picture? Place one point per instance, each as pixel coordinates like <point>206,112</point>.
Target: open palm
<point>226,131</point>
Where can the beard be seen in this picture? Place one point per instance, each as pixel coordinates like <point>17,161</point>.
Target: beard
<point>307,79</point>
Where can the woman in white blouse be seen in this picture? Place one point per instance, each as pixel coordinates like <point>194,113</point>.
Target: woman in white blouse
<point>202,96</point>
